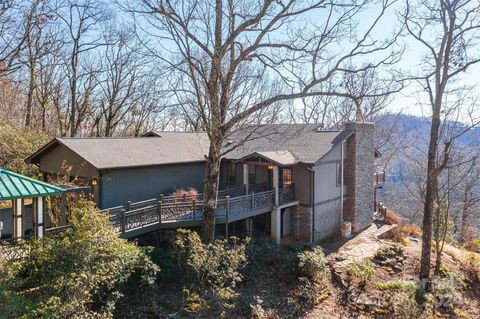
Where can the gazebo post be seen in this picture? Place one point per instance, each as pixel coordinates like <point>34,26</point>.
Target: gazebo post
<point>38,213</point>
<point>17,219</point>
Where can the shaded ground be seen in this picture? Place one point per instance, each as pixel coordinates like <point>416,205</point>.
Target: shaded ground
<point>271,284</point>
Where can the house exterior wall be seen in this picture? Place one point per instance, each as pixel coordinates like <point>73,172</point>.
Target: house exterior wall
<point>58,159</point>
<point>327,195</point>
<point>301,177</point>
<point>136,184</point>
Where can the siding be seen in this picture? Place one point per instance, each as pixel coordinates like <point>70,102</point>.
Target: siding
<point>60,158</point>
<point>136,184</point>
<point>327,214</point>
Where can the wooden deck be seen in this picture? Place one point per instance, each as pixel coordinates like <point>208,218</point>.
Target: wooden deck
<point>173,212</point>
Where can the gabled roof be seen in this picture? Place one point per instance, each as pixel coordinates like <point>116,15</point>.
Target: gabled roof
<point>305,143</point>
<point>15,186</point>
<point>110,153</point>
<point>282,158</point>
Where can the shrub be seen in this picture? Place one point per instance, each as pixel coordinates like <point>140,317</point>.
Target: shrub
<point>212,270</point>
<point>399,233</point>
<point>473,245</point>
<point>471,266</point>
<point>363,270</point>
<point>82,273</point>
<point>411,230</point>
<point>312,264</point>
<point>396,285</point>
<point>445,289</point>
<point>389,251</point>
<point>391,218</point>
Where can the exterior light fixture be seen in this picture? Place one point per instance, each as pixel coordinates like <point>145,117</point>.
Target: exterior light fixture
<point>270,167</point>
<point>40,174</point>
<point>94,182</point>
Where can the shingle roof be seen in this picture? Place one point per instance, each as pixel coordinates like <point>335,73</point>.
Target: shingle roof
<point>285,144</point>
<point>15,186</point>
<point>105,153</point>
<point>305,142</point>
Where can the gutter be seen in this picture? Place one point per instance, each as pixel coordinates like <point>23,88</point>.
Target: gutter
<point>342,158</point>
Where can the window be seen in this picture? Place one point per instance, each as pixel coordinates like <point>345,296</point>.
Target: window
<point>339,174</point>
<point>287,177</point>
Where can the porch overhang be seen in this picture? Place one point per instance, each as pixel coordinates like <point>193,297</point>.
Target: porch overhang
<point>279,158</point>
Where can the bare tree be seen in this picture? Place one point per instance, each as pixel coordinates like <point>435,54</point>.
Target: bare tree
<point>82,20</point>
<point>230,60</point>
<point>448,30</point>
<point>122,70</point>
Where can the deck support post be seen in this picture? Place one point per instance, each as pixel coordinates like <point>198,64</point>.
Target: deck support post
<point>37,211</point>
<point>245,177</point>
<point>276,225</point>
<point>275,185</point>
<point>227,213</point>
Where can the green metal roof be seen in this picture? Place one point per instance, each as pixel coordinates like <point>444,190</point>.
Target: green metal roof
<point>14,186</point>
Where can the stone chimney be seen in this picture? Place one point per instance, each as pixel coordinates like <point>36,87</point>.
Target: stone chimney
<point>359,171</point>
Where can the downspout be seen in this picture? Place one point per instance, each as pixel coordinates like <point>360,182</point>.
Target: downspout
<point>312,201</point>
<point>342,158</point>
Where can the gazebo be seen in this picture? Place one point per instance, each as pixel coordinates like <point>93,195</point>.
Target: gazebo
<point>17,188</point>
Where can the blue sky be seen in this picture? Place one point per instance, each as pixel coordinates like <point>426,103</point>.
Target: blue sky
<point>409,100</point>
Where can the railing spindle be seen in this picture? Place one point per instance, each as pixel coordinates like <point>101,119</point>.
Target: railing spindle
<point>160,212</point>
<point>194,207</point>
<point>253,200</point>
<point>227,209</point>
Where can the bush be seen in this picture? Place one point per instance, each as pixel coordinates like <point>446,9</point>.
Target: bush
<point>80,274</point>
<point>312,264</point>
<point>471,266</point>
<point>391,218</point>
<point>445,289</point>
<point>362,270</point>
<point>399,233</point>
<point>389,251</point>
<point>473,245</point>
<point>211,270</point>
<point>396,285</point>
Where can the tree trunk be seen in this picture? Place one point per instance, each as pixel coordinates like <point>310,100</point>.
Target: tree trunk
<point>212,175</point>
<point>430,195</point>
<point>463,226</point>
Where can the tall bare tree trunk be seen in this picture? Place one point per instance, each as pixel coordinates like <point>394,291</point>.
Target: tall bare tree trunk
<point>430,195</point>
<point>212,175</point>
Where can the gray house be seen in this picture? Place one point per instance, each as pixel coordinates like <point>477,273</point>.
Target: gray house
<point>329,173</point>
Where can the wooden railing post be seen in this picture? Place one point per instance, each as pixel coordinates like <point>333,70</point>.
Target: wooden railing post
<point>227,209</point>
<point>123,221</point>
<point>129,205</point>
<point>253,200</point>
<point>159,212</point>
<point>194,207</point>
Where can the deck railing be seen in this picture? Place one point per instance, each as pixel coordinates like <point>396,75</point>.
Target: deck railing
<point>190,209</point>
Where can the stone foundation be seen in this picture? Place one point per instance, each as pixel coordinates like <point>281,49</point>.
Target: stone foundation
<point>301,222</point>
